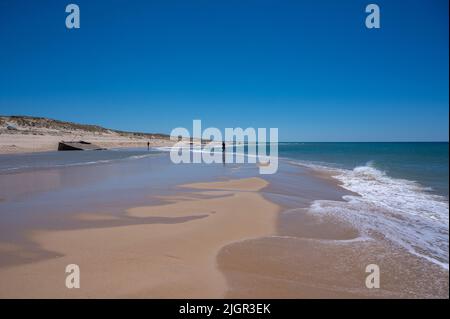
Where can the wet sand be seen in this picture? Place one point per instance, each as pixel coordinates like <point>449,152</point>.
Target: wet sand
<point>151,260</point>
<point>149,229</point>
<point>325,258</point>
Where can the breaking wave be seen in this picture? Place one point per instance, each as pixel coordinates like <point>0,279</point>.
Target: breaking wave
<point>401,211</point>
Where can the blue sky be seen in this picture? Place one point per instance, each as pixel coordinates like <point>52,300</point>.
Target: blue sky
<point>310,68</point>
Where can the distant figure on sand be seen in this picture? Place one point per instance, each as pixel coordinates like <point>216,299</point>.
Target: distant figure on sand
<point>223,152</point>
<point>148,146</point>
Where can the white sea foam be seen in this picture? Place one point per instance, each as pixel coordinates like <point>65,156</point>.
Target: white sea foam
<point>218,149</point>
<point>402,211</point>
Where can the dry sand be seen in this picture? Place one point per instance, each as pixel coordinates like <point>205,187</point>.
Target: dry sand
<point>24,134</point>
<point>176,260</point>
<point>24,143</point>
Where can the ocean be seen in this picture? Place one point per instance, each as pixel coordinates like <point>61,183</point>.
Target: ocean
<point>424,163</point>
<point>400,190</point>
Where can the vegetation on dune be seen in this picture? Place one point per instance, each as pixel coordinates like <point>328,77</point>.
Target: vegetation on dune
<point>31,122</point>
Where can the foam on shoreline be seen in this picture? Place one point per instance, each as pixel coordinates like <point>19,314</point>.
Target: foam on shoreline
<point>401,211</point>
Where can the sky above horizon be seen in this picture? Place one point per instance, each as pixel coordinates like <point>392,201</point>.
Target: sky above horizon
<point>310,68</point>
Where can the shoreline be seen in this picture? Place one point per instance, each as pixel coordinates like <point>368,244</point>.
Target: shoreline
<point>236,234</point>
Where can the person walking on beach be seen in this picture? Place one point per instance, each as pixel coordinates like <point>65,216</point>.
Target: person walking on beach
<point>148,146</point>
<point>223,152</point>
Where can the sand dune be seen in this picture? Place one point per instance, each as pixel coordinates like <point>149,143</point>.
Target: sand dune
<point>20,134</point>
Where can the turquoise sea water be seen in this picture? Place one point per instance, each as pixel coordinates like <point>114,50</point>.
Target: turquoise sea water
<point>425,163</point>
<point>401,191</point>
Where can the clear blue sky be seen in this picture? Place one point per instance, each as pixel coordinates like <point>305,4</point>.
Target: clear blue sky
<point>310,68</point>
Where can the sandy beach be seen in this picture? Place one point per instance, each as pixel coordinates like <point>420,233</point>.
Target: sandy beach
<point>13,144</point>
<point>28,134</point>
<point>140,227</point>
<point>151,260</point>
<point>227,150</point>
